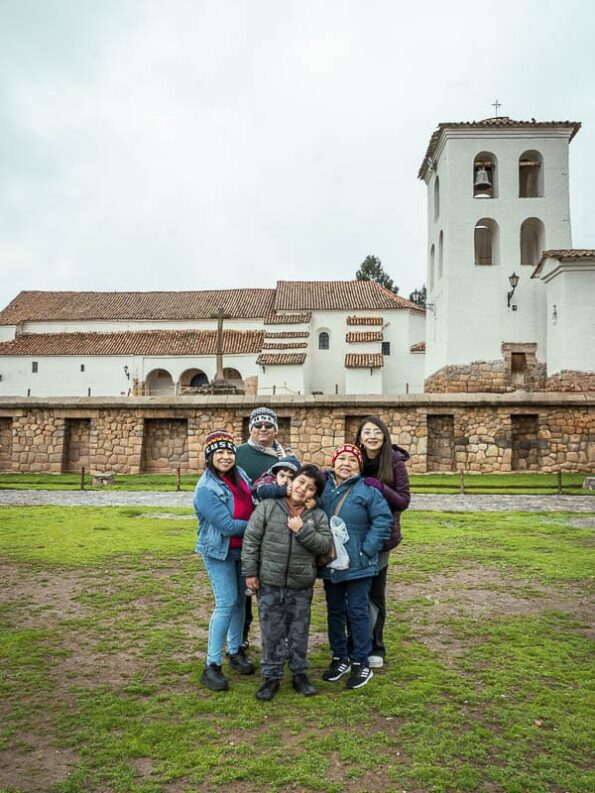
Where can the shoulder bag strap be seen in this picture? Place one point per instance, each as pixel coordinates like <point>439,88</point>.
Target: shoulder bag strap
<point>342,501</point>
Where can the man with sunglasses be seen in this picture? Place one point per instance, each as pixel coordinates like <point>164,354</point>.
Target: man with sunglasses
<point>255,457</point>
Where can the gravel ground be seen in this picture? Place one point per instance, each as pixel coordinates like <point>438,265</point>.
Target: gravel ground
<point>433,502</point>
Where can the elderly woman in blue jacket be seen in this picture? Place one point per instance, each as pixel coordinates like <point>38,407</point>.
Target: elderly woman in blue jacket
<point>368,520</point>
<point>223,506</point>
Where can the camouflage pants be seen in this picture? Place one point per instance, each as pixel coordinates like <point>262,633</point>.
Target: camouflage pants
<point>284,616</point>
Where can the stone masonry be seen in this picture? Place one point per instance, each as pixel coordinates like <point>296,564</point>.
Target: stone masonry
<point>476,432</point>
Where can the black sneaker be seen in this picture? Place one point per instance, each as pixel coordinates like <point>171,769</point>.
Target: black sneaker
<point>268,689</point>
<point>302,685</point>
<point>338,667</point>
<point>213,678</point>
<point>360,675</point>
<point>241,663</point>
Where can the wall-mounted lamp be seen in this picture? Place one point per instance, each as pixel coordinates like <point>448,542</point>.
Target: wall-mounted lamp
<point>554,318</point>
<point>513,281</point>
<point>127,372</point>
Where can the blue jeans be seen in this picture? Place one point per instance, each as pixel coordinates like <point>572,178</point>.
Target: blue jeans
<point>227,620</point>
<point>349,599</point>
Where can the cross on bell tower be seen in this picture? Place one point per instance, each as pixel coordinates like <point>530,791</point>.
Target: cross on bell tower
<point>496,105</point>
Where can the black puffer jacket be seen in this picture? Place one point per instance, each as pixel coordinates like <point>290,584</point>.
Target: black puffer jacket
<point>278,556</point>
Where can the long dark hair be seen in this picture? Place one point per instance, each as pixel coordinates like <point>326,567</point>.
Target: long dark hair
<point>385,463</point>
<point>232,474</point>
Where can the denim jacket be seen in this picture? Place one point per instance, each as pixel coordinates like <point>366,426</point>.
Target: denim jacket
<point>368,520</point>
<point>213,504</point>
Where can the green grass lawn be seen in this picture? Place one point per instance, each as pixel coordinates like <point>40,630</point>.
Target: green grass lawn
<point>104,615</point>
<point>538,484</point>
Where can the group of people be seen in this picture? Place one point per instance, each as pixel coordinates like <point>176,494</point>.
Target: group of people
<point>264,531</point>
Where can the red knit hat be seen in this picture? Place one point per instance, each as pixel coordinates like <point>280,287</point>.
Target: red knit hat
<point>348,447</point>
<point>219,439</point>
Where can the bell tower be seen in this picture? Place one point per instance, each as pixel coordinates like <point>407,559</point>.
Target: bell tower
<point>497,198</point>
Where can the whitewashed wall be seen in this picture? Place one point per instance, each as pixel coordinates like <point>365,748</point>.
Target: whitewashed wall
<point>571,327</point>
<point>470,318</point>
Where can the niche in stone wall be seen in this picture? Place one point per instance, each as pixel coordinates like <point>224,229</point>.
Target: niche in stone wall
<point>165,446</point>
<point>441,443</point>
<point>5,444</point>
<point>525,442</point>
<point>77,441</point>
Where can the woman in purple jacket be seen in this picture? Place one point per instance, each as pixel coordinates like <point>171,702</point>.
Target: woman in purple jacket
<point>384,468</point>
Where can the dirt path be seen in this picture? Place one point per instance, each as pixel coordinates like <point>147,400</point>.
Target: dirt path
<point>434,502</point>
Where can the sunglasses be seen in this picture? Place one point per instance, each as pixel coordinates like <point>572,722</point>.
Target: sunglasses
<point>264,425</point>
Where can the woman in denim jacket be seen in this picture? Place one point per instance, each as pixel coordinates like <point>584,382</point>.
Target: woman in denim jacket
<point>223,505</point>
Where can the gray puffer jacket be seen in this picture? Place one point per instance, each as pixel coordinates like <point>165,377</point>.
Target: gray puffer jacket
<point>278,556</point>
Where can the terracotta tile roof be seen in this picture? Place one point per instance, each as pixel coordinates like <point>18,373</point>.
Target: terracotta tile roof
<point>287,334</point>
<point>283,359</point>
<point>371,335</point>
<point>563,255</point>
<point>336,296</point>
<point>364,320</point>
<point>419,347</point>
<point>364,361</point>
<point>238,303</point>
<point>296,345</point>
<point>499,122</point>
<point>569,253</point>
<point>288,319</point>
<point>156,342</point>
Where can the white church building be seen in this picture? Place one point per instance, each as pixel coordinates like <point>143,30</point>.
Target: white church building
<point>509,306</point>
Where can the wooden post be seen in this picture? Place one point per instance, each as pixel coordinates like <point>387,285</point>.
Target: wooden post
<point>83,477</point>
<point>177,478</point>
<point>559,481</point>
<point>462,481</point>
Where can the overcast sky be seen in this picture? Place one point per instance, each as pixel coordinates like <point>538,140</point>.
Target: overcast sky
<point>185,144</point>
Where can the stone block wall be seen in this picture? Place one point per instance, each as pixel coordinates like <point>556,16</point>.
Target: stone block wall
<point>441,447</point>
<point>569,381</point>
<point>165,446</point>
<point>481,433</point>
<point>5,444</point>
<point>77,442</point>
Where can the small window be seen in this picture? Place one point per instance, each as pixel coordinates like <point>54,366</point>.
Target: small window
<point>485,176</point>
<point>436,198</point>
<point>82,367</point>
<point>440,254</point>
<point>532,241</point>
<point>486,242</point>
<point>34,367</point>
<point>518,368</point>
<point>530,175</point>
<point>323,340</point>
<point>386,347</point>
<point>431,270</point>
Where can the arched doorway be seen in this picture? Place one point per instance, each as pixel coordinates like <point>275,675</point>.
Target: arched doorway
<point>191,379</point>
<point>232,375</point>
<point>159,381</point>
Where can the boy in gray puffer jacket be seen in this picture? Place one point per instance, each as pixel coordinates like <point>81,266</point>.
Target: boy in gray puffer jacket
<point>281,543</point>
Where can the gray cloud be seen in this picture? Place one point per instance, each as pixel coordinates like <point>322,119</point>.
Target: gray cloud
<point>181,145</point>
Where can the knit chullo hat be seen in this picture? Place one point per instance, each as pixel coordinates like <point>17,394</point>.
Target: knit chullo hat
<point>219,439</point>
<point>263,414</point>
<point>348,447</point>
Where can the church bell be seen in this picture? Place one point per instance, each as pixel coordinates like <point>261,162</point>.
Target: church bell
<point>482,180</point>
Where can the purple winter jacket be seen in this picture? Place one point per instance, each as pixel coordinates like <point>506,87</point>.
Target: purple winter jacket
<point>398,495</point>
